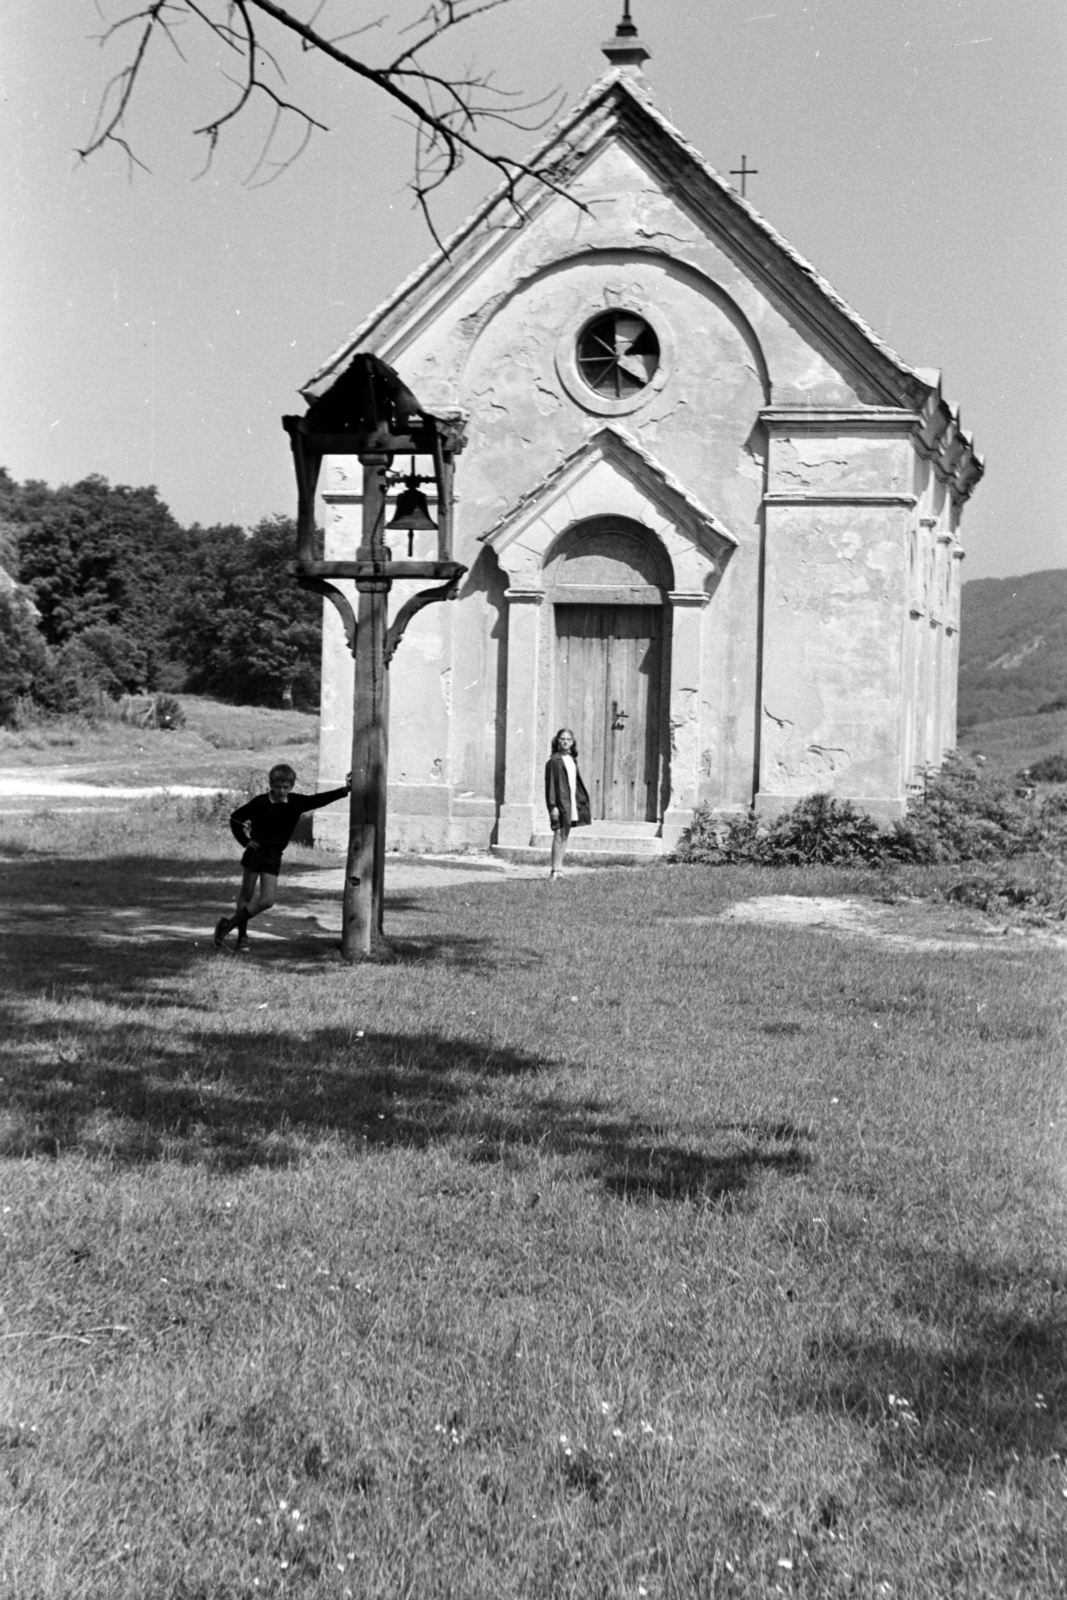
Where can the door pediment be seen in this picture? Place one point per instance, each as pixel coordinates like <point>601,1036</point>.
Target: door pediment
<point>610,474</point>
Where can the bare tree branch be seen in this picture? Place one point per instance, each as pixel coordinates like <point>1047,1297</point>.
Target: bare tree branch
<point>450,112</point>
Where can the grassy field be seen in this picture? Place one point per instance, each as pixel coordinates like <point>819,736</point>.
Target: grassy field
<point>1015,742</point>
<point>219,744</point>
<point>593,1248</point>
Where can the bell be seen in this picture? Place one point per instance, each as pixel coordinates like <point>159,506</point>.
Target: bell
<point>412,511</point>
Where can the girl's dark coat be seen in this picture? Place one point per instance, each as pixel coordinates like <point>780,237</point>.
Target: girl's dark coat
<point>558,792</point>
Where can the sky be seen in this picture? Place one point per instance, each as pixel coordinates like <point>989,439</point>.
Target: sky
<point>155,325</point>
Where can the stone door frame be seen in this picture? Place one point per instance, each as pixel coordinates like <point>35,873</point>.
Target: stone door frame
<point>611,476</point>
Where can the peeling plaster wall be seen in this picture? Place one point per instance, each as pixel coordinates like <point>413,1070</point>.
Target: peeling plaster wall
<point>832,689</point>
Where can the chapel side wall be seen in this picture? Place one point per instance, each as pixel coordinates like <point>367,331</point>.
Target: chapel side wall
<point>839,510</point>
<point>728,680</point>
<point>935,607</point>
<point>421,709</point>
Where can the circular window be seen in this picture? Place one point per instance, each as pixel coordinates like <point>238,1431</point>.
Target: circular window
<point>618,355</point>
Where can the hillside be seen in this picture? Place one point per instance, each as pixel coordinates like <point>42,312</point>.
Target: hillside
<point>1013,646</point>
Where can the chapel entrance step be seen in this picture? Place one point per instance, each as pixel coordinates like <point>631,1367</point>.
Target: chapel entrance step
<point>604,844</point>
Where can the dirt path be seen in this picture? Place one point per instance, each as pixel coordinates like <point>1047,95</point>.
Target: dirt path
<point>908,924</point>
<point>55,783</point>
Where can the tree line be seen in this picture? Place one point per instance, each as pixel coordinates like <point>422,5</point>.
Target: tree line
<point>107,594</point>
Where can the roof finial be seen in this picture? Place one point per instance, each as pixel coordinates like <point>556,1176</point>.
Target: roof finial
<point>626,49</point>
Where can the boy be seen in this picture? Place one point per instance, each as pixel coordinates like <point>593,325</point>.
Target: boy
<point>264,826</point>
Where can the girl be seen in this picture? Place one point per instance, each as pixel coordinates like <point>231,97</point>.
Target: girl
<point>565,796</point>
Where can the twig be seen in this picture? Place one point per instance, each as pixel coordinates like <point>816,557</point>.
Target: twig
<point>448,111</point>
<point>78,1338</point>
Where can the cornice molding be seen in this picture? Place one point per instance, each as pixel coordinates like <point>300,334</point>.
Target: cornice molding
<point>838,419</point>
<point>629,458</point>
<point>844,497</point>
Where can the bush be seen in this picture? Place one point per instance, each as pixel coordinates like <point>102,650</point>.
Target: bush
<point>967,814</point>
<point>819,830</point>
<point>963,814</point>
<point>1050,769</point>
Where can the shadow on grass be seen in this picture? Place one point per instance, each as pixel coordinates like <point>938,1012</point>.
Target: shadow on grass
<point>125,1089</point>
<point>122,927</point>
<point>985,1381</point>
<point>132,1093</point>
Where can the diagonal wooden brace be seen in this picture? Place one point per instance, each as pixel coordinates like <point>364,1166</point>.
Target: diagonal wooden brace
<point>339,601</point>
<point>410,608</point>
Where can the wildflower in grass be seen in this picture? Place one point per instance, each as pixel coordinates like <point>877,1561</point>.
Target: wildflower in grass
<point>902,1416</point>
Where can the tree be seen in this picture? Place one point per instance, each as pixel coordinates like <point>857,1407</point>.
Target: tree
<point>24,656</point>
<point>247,632</point>
<point>450,113</point>
<point>101,562</point>
<point>10,520</point>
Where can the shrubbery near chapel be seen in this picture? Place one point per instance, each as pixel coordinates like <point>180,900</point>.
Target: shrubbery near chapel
<point>1015,837</point>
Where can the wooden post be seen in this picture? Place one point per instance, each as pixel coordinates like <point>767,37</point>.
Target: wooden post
<point>365,870</point>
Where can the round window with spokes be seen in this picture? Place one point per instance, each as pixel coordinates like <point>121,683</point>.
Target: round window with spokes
<point>618,355</point>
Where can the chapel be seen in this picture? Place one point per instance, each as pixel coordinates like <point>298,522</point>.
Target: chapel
<point>710,520</point>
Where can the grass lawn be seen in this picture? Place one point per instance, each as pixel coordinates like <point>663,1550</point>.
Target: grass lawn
<point>220,744</point>
<point>586,1250</point>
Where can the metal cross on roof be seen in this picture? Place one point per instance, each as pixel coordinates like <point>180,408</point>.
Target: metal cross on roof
<point>744,171</point>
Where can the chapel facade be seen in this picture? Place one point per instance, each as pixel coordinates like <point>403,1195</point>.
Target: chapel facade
<point>710,521</point>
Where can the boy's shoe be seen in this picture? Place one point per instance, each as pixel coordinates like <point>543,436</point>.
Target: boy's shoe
<point>243,945</point>
<point>222,928</point>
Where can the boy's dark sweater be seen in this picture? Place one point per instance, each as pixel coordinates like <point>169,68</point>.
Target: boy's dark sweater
<point>272,825</point>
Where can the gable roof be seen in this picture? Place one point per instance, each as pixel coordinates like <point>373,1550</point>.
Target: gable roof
<point>618,107</point>
<point>622,452</point>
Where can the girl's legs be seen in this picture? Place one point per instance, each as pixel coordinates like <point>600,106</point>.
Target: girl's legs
<point>560,835</point>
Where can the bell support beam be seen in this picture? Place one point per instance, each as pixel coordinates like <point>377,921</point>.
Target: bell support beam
<point>338,600</point>
<point>412,607</point>
<point>375,569</point>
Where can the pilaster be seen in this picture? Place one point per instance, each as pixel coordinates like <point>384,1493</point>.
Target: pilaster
<point>687,656</point>
<point>521,766</point>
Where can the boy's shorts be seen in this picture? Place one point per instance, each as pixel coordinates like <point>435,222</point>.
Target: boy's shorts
<point>269,861</point>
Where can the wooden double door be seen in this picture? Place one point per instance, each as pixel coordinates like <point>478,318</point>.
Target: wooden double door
<point>609,673</point>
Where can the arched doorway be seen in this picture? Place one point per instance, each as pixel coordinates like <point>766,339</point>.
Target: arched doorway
<point>608,580</point>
